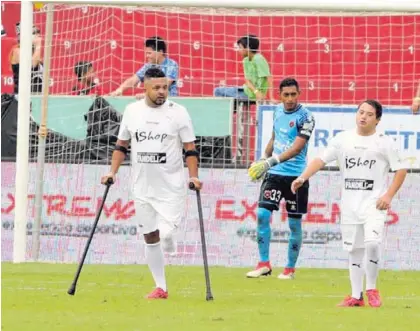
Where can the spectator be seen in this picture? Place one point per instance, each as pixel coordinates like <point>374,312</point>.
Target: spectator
<point>416,101</point>
<point>87,83</point>
<point>258,79</point>
<point>156,56</point>
<point>37,65</point>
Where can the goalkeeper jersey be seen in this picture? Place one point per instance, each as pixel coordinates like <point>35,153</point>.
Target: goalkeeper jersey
<point>364,163</point>
<point>286,127</point>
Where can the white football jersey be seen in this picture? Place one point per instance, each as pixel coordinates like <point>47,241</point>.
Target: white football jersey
<point>157,136</point>
<point>364,163</point>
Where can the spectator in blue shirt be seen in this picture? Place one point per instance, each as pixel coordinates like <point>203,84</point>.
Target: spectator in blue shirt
<point>156,56</point>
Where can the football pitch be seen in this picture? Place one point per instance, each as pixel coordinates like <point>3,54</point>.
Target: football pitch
<point>108,297</point>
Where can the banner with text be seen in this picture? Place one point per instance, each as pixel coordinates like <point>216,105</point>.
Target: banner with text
<point>329,120</point>
<point>72,195</point>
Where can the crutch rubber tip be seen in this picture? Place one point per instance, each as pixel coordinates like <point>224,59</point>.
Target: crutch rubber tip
<point>71,291</point>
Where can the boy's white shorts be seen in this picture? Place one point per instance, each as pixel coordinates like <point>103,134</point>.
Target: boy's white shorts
<point>356,235</point>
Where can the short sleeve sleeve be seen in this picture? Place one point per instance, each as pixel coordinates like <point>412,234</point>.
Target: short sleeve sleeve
<point>124,133</point>
<point>393,155</point>
<point>172,71</point>
<point>306,125</point>
<point>263,69</point>
<point>140,73</point>
<point>331,152</point>
<point>247,71</point>
<point>186,130</point>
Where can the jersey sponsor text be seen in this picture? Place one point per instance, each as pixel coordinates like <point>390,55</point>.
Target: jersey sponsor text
<point>151,157</point>
<point>358,184</point>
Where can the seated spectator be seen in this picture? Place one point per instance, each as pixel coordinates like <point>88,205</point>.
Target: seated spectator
<point>87,83</point>
<point>156,56</point>
<point>258,80</point>
<point>416,101</point>
<point>37,65</point>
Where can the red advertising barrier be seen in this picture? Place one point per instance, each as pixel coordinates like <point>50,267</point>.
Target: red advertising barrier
<point>229,202</point>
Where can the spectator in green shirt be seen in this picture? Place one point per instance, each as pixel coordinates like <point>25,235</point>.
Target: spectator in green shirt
<point>258,80</point>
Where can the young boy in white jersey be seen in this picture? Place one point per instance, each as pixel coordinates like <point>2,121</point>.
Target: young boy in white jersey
<point>365,157</point>
<point>158,130</point>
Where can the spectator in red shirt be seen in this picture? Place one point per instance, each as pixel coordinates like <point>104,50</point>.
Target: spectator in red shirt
<point>87,82</point>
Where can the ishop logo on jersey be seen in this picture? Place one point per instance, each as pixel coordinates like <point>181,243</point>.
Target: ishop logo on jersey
<point>143,135</point>
<point>358,184</point>
<point>352,162</point>
<point>151,157</point>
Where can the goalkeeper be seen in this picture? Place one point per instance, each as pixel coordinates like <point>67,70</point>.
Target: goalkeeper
<point>283,161</point>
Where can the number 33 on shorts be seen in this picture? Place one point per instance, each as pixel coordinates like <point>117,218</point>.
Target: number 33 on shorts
<point>273,195</point>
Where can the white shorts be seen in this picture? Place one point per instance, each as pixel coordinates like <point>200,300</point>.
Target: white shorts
<point>356,235</point>
<point>357,228</point>
<point>162,216</point>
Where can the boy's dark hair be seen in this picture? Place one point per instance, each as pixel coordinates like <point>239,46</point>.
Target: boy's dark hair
<point>289,82</point>
<point>375,104</point>
<point>154,72</point>
<point>156,43</point>
<point>250,42</point>
<point>81,68</point>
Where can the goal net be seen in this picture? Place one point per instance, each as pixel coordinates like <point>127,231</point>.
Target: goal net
<point>338,58</point>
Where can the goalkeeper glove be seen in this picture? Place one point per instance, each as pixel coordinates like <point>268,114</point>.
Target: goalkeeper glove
<point>259,169</point>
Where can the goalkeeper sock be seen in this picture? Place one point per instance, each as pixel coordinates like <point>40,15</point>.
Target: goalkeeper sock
<point>264,234</point>
<point>356,271</point>
<point>154,258</point>
<point>372,264</point>
<point>295,241</point>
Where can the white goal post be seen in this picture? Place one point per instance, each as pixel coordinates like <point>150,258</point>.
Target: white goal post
<point>22,160</point>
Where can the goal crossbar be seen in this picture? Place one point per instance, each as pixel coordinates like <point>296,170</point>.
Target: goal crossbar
<point>325,5</point>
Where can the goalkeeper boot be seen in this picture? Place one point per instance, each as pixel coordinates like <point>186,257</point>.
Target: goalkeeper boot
<point>349,301</point>
<point>262,269</point>
<point>374,299</point>
<point>158,293</point>
<point>288,273</point>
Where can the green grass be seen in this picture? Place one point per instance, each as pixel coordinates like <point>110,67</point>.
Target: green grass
<point>34,298</point>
